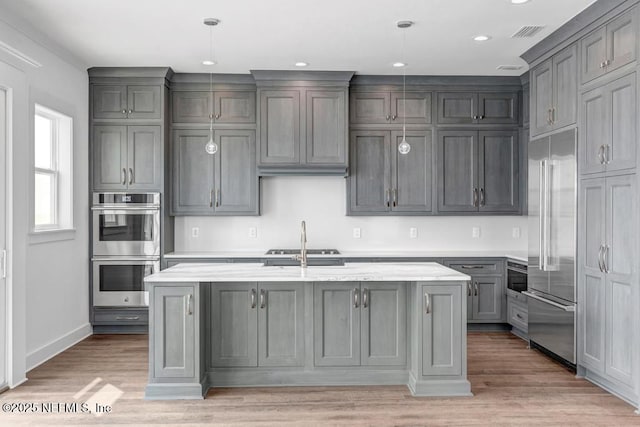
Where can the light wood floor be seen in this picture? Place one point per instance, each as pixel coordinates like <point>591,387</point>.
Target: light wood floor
<point>512,386</point>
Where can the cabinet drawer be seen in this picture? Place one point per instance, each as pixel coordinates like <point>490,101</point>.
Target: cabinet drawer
<point>120,317</point>
<point>517,315</point>
<point>474,267</point>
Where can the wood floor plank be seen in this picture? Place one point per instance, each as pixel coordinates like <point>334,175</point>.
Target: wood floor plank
<point>512,385</point>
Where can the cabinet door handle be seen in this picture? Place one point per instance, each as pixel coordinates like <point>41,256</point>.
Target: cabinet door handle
<point>124,176</point>
<point>394,117</point>
<point>481,117</point>
<point>211,198</point>
<point>605,259</point>
<point>607,150</point>
<point>127,317</point>
<point>365,298</point>
<point>189,308</point>
<point>395,197</point>
<point>218,198</point>
<point>130,111</point>
<point>601,154</point>
<point>471,267</point>
<point>468,289</point>
<point>600,263</point>
<point>388,117</point>
<point>519,316</point>
<point>124,111</point>
<point>130,176</point>
<point>356,297</point>
<point>387,197</point>
<point>263,298</point>
<point>607,63</point>
<point>427,303</point>
<point>475,197</point>
<point>553,115</point>
<point>602,64</point>
<point>475,289</point>
<point>482,197</point>
<point>253,298</point>
<point>217,116</point>
<point>549,116</point>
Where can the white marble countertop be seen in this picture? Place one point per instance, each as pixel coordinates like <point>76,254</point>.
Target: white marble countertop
<point>515,255</point>
<point>350,272</point>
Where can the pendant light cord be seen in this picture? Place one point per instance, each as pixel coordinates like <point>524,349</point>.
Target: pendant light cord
<point>211,80</point>
<point>404,86</point>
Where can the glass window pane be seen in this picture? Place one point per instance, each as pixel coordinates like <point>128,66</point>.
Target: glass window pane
<point>44,212</point>
<point>43,144</point>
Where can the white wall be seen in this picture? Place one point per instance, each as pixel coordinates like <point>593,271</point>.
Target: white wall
<point>54,275</point>
<point>321,201</point>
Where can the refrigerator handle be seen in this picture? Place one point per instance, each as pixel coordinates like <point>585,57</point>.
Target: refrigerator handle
<point>541,195</point>
<point>569,308</point>
<point>547,216</point>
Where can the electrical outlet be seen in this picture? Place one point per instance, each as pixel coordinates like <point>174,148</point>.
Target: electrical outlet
<point>195,232</point>
<point>413,233</point>
<point>475,232</point>
<point>253,232</point>
<point>356,232</point>
<point>516,232</point>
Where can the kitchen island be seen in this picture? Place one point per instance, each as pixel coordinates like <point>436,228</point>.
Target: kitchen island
<point>237,325</point>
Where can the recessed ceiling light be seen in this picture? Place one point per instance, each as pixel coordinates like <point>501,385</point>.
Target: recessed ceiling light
<point>399,64</point>
<point>208,62</point>
<point>482,38</point>
<point>519,1</point>
<point>301,64</point>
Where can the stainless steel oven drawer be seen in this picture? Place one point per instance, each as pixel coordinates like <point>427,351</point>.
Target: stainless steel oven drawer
<point>120,317</point>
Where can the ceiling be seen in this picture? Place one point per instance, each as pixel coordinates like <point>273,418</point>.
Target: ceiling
<point>354,35</point>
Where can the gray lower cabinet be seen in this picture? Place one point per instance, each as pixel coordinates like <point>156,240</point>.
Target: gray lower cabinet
<point>140,102</point>
<point>384,107</point>
<point>608,117</point>
<point>478,171</point>
<point>518,313</point>
<point>607,268</point>
<point>221,107</point>
<point>478,108</point>
<point>126,157</point>
<point>384,181</point>
<point>360,324</point>
<point>223,183</point>
<point>257,324</point>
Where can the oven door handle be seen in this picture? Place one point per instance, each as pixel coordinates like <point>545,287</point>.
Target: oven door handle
<point>126,209</point>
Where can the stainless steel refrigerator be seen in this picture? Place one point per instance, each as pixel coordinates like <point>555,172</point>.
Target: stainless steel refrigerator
<point>552,244</point>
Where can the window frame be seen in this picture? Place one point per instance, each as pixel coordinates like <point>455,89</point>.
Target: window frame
<point>54,172</point>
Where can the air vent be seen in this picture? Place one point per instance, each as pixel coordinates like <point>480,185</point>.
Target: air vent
<point>509,67</point>
<point>527,31</point>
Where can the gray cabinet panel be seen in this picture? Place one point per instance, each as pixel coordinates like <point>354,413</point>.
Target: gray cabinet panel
<point>326,127</point>
<point>384,324</point>
<point>488,296</point>
<point>192,172</point>
<point>565,88</point>
<point>109,157</point>
<point>498,171</point>
<point>624,122</point>
<point>411,107</point>
<point>594,130</point>
<point>498,107</point>
<point>457,107</point>
<point>370,107</point>
<point>191,107</point>
<point>109,102</point>
<point>594,53</point>
<point>143,102</point>
<point>336,324</point>
<point>279,126</point>
<point>173,326</point>
<point>144,157</point>
<point>412,172</point>
<point>622,35</point>
<point>541,98</point>
<point>441,326</point>
<point>281,324</point>
<point>526,103</point>
<point>235,106</point>
<point>236,182</point>
<point>370,178</point>
<point>457,171</point>
<point>234,324</point>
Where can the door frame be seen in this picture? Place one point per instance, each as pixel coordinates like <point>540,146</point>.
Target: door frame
<point>4,323</point>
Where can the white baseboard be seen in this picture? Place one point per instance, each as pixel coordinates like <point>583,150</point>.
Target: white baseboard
<point>47,351</point>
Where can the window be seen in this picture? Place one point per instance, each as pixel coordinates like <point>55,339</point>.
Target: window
<point>53,183</point>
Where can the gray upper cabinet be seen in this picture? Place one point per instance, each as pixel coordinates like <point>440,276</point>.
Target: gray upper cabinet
<point>224,183</point>
<point>391,107</point>
<point>554,92</point>
<point>610,47</point>
<point>326,127</point>
<point>526,103</point>
<point>478,108</point>
<point>609,127</point>
<point>280,127</point>
<point>498,172</point>
<point>457,171</point>
<point>139,102</point>
<point>126,157</point>
<point>440,310</point>
<point>385,182</point>
<point>222,107</point>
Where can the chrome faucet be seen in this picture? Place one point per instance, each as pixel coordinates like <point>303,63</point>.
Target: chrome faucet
<point>303,246</point>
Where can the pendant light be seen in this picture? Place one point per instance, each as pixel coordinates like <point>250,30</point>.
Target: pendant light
<point>210,147</point>
<point>404,147</point>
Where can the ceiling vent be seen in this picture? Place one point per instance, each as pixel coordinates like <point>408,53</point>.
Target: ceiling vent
<point>527,31</point>
<point>509,67</point>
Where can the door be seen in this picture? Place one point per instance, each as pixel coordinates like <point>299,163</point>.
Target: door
<point>236,182</point>
<point>498,171</point>
<point>280,127</point>
<point>412,172</point>
<point>498,107</point>
<point>4,109</point>
<point>384,324</point>
<point>411,107</point>
<point>538,156</point>
<point>192,173</point>
<point>174,311</point>
<point>594,52</point>
<point>143,102</point>
<point>370,107</point>
<point>109,102</point>
<point>234,324</point>
<point>565,87</point>
<point>457,171</point>
<point>591,306</point>
<point>595,130</point>
<point>441,325</point>
<point>234,107</point>
<point>621,40</point>
<point>336,324</point>
<point>488,293</point>
<point>191,107</point>
<point>110,157</point>
<point>144,158</point>
<point>370,177</point>
<point>326,127</point>
<point>281,324</point>
<point>541,98</point>
<point>621,154</point>
<point>457,107</point>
